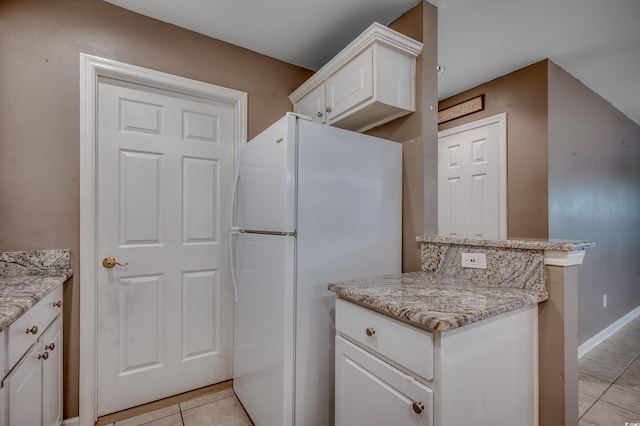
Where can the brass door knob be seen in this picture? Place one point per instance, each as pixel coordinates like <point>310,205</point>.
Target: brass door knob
<point>57,304</point>
<point>33,330</point>
<point>50,347</point>
<point>45,355</point>
<point>370,331</point>
<point>109,262</point>
<point>327,109</point>
<point>418,407</point>
<point>319,114</point>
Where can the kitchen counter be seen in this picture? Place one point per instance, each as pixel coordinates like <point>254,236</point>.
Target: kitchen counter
<point>436,303</point>
<point>510,341</point>
<point>445,296</point>
<point>26,277</point>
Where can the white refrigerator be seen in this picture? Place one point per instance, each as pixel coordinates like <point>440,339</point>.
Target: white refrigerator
<point>315,204</point>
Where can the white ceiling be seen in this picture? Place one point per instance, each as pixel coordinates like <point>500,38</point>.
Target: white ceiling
<point>597,41</point>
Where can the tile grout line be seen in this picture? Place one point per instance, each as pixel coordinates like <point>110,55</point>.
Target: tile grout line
<point>609,386</point>
<point>181,416</point>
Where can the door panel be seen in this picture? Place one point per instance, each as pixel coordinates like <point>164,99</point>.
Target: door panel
<point>140,198</point>
<point>199,208</point>
<point>165,167</point>
<point>200,297</point>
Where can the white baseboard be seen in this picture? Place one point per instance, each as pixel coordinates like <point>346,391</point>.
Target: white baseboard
<point>74,421</point>
<point>591,343</point>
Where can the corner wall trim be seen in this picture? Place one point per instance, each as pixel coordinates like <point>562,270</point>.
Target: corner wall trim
<point>612,329</point>
<point>563,258</point>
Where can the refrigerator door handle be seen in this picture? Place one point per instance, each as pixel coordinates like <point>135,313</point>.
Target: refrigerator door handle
<point>275,233</point>
<point>233,232</point>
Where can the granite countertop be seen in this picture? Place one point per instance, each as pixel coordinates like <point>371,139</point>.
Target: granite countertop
<point>553,245</point>
<point>436,303</point>
<point>26,277</point>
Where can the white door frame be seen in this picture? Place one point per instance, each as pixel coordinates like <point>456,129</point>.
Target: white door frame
<point>91,69</point>
<point>501,120</point>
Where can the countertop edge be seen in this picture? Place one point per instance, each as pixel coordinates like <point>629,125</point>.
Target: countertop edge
<point>447,321</point>
<point>22,303</point>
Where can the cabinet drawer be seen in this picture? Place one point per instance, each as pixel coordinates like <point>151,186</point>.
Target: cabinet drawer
<point>408,346</point>
<point>371,392</point>
<point>37,319</point>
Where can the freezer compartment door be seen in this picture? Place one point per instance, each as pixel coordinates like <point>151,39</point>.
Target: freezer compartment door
<point>266,187</point>
<point>264,328</point>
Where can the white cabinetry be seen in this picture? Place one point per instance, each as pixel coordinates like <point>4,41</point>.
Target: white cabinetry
<point>3,411</point>
<point>32,389</point>
<point>371,392</point>
<point>370,82</point>
<point>482,374</point>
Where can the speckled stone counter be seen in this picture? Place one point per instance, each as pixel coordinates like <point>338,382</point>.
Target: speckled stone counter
<point>26,277</point>
<point>555,245</point>
<point>445,296</point>
<point>434,303</point>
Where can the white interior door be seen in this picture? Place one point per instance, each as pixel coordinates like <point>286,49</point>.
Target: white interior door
<point>165,167</point>
<point>472,180</point>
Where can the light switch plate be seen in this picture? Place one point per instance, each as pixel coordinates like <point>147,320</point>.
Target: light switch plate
<point>474,260</point>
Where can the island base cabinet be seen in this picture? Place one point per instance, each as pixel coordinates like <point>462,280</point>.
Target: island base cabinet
<point>371,392</point>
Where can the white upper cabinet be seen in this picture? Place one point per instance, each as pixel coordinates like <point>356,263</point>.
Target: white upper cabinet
<point>370,82</point>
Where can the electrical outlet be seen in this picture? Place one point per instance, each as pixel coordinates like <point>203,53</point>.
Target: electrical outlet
<point>604,300</point>
<point>474,260</point>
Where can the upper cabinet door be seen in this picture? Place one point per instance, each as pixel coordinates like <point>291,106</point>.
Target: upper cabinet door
<point>350,86</point>
<point>313,105</point>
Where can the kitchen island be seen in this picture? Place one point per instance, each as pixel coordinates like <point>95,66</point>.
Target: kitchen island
<point>466,339</point>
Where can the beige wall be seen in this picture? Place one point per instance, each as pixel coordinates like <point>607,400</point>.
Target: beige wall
<point>40,42</point>
<point>522,95</point>
<point>416,131</point>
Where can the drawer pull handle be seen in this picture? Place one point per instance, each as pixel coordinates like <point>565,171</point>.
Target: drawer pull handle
<point>33,330</point>
<point>418,407</point>
<point>327,109</point>
<point>370,331</point>
<point>319,114</point>
<point>50,347</point>
<point>45,355</point>
<point>57,304</point>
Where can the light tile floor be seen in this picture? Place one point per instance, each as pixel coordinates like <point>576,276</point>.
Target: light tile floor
<point>609,380</point>
<point>608,385</point>
<point>218,408</point>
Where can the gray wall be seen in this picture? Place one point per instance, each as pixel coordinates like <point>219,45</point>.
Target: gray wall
<point>594,194</point>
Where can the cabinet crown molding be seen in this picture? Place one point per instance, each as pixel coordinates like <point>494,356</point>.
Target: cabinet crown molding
<point>375,34</point>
